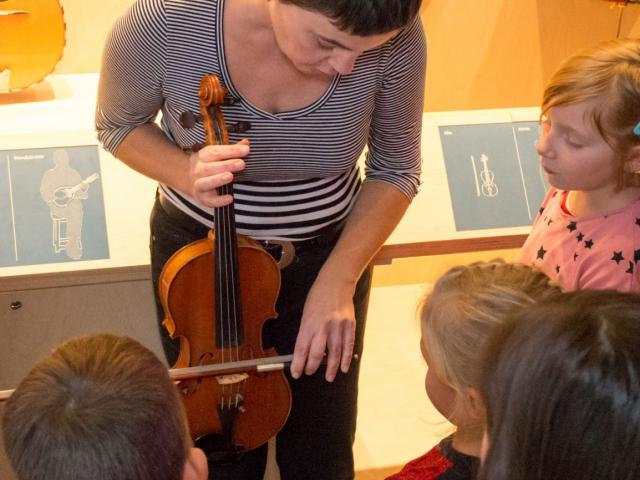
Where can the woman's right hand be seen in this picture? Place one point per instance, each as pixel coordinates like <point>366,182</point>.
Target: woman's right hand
<point>212,167</point>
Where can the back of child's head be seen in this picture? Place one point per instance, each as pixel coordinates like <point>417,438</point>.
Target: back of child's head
<point>562,390</point>
<point>98,408</point>
<point>464,308</point>
<point>607,76</point>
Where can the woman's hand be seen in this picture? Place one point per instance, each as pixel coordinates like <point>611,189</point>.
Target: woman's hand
<point>214,166</point>
<point>328,325</point>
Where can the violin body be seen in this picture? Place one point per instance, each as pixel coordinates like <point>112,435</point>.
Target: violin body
<point>254,406</point>
<point>33,39</point>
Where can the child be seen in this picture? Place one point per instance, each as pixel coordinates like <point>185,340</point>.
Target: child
<point>466,305</point>
<point>587,234</point>
<point>562,391</point>
<point>100,408</point>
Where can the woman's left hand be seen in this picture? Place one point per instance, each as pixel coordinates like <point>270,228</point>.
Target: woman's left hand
<point>328,326</point>
<point>328,320</point>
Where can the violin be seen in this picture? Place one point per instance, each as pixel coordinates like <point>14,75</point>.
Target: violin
<point>33,39</point>
<point>217,293</point>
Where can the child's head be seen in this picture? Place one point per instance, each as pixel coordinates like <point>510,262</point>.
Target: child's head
<point>465,306</point>
<point>605,79</point>
<point>99,408</point>
<point>562,390</point>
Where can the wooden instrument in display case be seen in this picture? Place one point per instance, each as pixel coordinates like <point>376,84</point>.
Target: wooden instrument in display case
<point>33,38</point>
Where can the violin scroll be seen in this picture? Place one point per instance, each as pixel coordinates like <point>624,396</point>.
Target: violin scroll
<point>211,95</point>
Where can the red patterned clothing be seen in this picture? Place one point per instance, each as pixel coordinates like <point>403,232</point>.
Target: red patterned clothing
<point>595,251</point>
<point>442,462</point>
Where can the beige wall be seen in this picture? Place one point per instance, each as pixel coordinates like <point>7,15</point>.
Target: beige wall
<point>88,22</point>
<point>499,53</point>
<point>482,53</point>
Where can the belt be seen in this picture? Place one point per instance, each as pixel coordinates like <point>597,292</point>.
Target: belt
<point>283,251</point>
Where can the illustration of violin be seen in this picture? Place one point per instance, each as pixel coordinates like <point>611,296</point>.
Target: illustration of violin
<point>489,187</point>
<point>62,196</point>
<point>33,39</point>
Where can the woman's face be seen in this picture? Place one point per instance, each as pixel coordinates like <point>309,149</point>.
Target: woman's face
<point>313,44</point>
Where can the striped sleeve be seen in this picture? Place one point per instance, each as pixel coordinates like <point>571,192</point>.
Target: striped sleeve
<point>132,73</point>
<point>394,140</point>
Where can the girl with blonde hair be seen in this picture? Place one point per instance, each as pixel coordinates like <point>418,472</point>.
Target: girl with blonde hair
<point>467,304</point>
<point>587,234</point>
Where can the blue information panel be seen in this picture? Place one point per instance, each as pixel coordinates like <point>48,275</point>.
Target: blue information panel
<point>51,206</point>
<point>494,174</point>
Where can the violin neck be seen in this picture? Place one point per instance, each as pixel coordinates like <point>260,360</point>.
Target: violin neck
<point>228,315</point>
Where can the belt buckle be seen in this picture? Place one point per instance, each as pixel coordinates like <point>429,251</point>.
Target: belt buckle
<point>287,252</point>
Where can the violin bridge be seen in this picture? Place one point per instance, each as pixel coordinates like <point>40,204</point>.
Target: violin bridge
<point>231,379</point>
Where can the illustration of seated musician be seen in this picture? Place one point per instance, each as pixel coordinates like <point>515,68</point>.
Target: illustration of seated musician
<point>63,189</point>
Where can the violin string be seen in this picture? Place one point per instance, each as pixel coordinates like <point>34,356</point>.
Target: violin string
<point>221,294</point>
<point>233,257</point>
<point>235,282</point>
<point>228,286</point>
<point>232,323</point>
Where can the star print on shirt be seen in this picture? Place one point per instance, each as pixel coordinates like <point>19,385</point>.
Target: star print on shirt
<point>589,243</point>
<point>636,256</point>
<point>575,256</point>
<point>572,226</point>
<point>542,210</point>
<point>638,222</point>
<point>550,222</point>
<point>557,268</point>
<point>617,257</point>
<point>630,269</point>
<point>541,253</point>
<point>579,237</point>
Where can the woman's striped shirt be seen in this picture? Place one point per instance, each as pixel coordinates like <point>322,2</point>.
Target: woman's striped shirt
<point>302,173</point>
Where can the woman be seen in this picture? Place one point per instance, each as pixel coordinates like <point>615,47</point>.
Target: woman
<point>314,81</point>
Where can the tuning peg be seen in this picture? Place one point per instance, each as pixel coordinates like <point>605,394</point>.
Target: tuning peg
<point>239,127</point>
<point>230,100</point>
<point>194,148</point>
<point>189,119</point>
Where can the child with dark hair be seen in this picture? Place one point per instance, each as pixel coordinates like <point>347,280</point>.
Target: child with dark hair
<point>562,391</point>
<point>100,408</point>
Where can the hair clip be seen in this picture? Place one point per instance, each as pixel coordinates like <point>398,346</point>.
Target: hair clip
<point>636,129</point>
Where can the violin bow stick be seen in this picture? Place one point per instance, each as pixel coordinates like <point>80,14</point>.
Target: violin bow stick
<point>267,364</point>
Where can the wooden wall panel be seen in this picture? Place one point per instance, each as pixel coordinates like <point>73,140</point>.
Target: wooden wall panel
<point>499,53</point>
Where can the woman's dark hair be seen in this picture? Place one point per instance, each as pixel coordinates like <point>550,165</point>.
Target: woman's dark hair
<point>364,17</point>
<point>562,389</point>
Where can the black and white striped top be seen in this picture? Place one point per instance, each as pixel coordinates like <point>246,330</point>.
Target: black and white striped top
<point>302,173</point>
